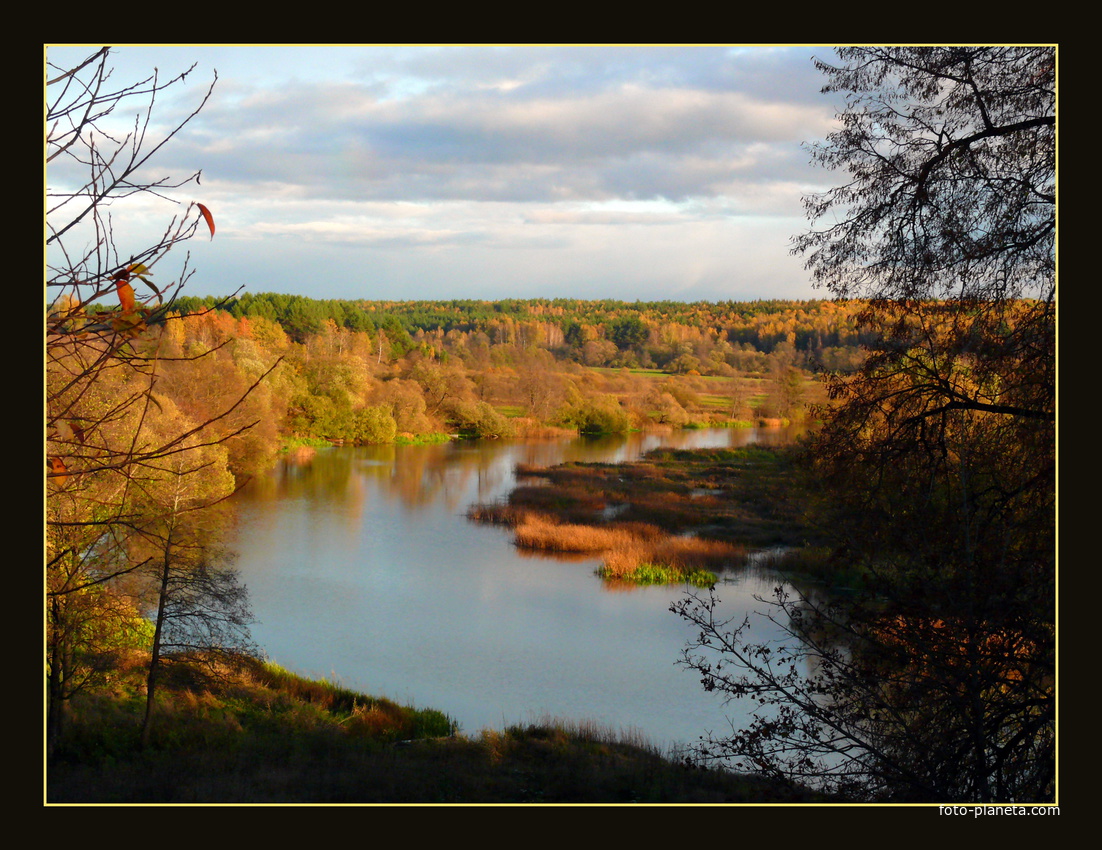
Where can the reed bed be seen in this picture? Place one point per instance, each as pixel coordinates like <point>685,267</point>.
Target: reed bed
<point>681,553</point>
<point>498,514</point>
<point>678,511</point>
<point>632,551</point>
<point>670,560</point>
<point>574,505</point>
<point>539,532</point>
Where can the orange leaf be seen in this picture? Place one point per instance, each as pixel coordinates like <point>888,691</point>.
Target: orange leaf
<point>206,215</point>
<point>126,295</point>
<point>57,469</point>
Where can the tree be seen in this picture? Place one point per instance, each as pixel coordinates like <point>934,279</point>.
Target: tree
<point>628,332</point>
<point>936,462</point>
<point>949,209</point>
<point>104,330</point>
<point>893,696</point>
<point>200,611</point>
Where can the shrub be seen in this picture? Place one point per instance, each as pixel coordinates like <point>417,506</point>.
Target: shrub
<point>374,424</point>
<point>479,419</point>
<point>599,415</point>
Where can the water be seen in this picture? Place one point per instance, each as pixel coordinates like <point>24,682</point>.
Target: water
<point>362,568</point>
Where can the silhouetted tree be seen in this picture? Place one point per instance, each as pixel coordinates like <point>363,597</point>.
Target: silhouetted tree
<point>936,459</point>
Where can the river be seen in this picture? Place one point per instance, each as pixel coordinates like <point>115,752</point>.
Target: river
<point>363,569</point>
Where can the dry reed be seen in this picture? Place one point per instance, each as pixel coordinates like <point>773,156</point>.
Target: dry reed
<point>538,532</point>
<point>624,547</point>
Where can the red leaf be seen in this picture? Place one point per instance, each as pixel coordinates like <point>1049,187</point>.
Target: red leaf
<point>206,215</point>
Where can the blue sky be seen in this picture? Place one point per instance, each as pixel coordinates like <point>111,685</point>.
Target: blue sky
<point>650,173</point>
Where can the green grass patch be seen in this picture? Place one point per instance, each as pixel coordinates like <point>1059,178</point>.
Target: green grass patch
<point>431,439</point>
<point>647,573</point>
<point>293,443</point>
<point>647,373</point>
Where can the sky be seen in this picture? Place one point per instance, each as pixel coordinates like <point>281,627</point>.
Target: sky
<point>486,172</point>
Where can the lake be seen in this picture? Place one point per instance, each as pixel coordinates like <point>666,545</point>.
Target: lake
<point>363,569</point>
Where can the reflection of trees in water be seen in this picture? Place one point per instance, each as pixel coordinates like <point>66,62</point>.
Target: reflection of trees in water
<point>427,475</point>
<point>415,476</point>
<point>456,474</point>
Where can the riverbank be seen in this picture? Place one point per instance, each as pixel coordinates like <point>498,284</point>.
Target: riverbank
<point>363,566</point>
<point>261,735</point>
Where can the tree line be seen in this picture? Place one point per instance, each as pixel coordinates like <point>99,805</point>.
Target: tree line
<point>644,334</point>
<point>379,385</point>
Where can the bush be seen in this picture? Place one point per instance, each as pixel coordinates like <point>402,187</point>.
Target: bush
<point>479,419</point>
<point>600,415</point>
<point>374,424</point>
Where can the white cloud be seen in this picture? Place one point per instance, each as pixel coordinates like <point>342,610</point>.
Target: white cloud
<point>481,170</point>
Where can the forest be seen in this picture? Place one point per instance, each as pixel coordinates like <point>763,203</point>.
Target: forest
<point>371,372</point>
<point>927,382</point>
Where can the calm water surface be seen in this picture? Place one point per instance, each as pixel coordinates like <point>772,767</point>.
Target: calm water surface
<point>362,568</point>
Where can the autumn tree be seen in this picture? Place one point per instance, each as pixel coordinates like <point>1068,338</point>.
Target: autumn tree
<point>936,461</point>
<point>198,609</point>
<point>110,293</point>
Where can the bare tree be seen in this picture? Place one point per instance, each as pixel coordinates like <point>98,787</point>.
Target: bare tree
<point>200,612</point>
<point>103,335</point>
<point>894,699</point>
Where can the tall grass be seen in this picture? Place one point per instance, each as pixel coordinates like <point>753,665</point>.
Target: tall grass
<point>271,736</point>
<point>635,552</point>
<point>539,532</point>
<point>679,511</point>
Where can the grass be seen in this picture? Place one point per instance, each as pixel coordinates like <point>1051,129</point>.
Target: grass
<point>632,552</point>
<point>646,573</point>
<point>539,532</point>
<point>430,439</point>
<point>293,443</point>
<point>260,734</point>
<point>649,373</point>
<point>746,496</point>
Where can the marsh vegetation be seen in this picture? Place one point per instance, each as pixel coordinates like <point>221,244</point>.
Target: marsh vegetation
<point>671,516</point>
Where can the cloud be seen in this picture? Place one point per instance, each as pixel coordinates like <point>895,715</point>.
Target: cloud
<point>520,133</point>
<point>483,170</point>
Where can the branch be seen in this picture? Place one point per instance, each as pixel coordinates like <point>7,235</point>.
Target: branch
<point>968,141</point>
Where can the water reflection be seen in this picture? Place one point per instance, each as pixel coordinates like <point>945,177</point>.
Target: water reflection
<point>362,567</point>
